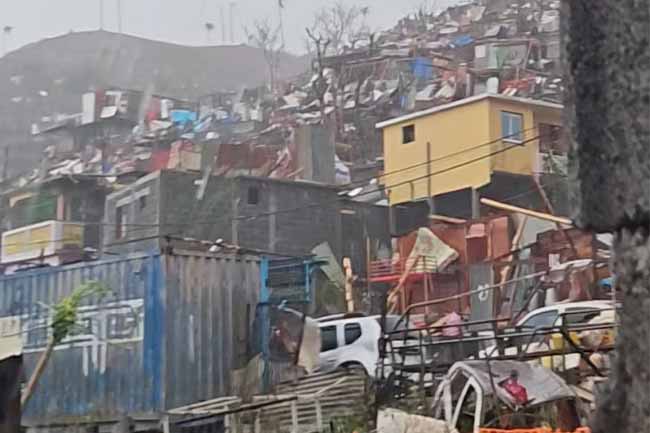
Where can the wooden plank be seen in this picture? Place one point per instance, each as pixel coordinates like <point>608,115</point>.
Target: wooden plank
<point>524,211</point>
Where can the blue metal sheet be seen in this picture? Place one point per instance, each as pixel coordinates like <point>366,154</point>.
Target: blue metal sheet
<point>206,330</point>
<point>169,334</point>
<point>87,374</point>
<point>288,280</point>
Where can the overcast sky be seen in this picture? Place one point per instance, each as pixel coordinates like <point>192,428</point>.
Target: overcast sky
<point>179,21</point>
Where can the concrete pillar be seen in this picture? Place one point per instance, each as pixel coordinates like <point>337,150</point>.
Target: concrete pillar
<point>607,48</point>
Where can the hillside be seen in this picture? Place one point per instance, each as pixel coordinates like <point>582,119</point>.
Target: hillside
<point>50,75</point>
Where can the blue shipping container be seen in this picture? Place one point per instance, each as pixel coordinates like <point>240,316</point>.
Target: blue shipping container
<point>170,333</point>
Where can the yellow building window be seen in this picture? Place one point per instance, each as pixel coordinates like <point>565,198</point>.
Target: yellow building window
<point>408,134</point>
<point>512,127</point>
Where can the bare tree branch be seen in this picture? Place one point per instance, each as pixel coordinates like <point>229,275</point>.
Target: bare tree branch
<point>344,26</point>
<point>320,84</point>
<point>267,38</point>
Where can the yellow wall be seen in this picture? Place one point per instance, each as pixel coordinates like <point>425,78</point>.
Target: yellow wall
<point>450,131</point>
<point>518,160</point>
<point>460,129</point>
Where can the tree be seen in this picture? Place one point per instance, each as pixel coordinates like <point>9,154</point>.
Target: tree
<point>320,83</point>
<point>63,324</point>
<point>344,26</point>
<point>607,106</point>
<point>268,39</point>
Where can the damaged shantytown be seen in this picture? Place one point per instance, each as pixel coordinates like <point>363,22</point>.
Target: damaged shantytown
<point>377,235</point>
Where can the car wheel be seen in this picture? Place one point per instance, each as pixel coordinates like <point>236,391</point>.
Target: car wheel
<point>354,367</point>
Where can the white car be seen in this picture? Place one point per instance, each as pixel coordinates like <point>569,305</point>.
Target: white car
<point>570,313</point>
<point>353,341</point>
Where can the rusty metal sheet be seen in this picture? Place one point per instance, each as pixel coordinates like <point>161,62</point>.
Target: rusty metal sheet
<point>500,243</point>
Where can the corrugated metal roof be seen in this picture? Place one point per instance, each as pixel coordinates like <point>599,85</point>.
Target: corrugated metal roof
<point>465,101</point>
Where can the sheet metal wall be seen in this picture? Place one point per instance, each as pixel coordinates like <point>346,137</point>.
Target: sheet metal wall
<point>168,334</point>
<point>211,306</point>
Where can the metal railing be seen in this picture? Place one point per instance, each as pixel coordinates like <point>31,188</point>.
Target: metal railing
<point>413,358</point>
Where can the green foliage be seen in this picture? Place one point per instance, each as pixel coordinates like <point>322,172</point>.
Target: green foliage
<point>65,312</point>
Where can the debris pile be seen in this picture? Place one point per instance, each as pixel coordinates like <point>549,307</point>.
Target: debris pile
<point>427,59</point>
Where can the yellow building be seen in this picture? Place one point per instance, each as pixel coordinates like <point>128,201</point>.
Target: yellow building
<point>462,145</point>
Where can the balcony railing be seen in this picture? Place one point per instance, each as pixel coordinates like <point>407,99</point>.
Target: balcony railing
<point>390,269</point>
<point>40,240</point>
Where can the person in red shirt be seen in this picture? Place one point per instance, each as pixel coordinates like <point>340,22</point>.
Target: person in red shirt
<point>515,389</point>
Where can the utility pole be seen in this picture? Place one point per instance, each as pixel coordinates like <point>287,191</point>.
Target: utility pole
<point>5,163</point>
<point>280,17</point>
<point>101,14</point>
<point>223,25</point>
<point>119,16</point>
<point>232,22</point>
<point>430,199</point>
<point>607,105</point>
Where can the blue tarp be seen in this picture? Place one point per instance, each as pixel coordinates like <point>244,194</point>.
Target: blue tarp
<point>463,41</point>
<point>182,116</point>
<point>422,67</point>
<point>607,282</point>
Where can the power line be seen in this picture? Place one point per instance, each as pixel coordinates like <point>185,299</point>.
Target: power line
<point>144,227</point>
<point>360,181</point>
<point>454,167</point>
<point>442,158</point>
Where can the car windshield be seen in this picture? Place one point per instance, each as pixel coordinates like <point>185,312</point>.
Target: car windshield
<point>540,320</point>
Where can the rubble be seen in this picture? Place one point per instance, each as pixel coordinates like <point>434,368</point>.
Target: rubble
<point>427,59</point>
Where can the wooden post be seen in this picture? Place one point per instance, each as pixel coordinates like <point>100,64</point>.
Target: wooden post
<point>258,422</point>
<point>349,295</point>
<point>505,273</point>
<point>294,416</point>
<point>430,200</point>
<point>426,286</point>
<point>368,287</point>
<point>319,415</point>
<point>476,204</point>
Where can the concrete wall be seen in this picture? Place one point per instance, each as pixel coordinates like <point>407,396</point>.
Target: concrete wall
<point>165,203</point>
<point>280,216</point>
<point>140,203</point>
<point>183,213</point>
<point>449,131</point>
<point>293,217</point>
<point>315,148</point>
